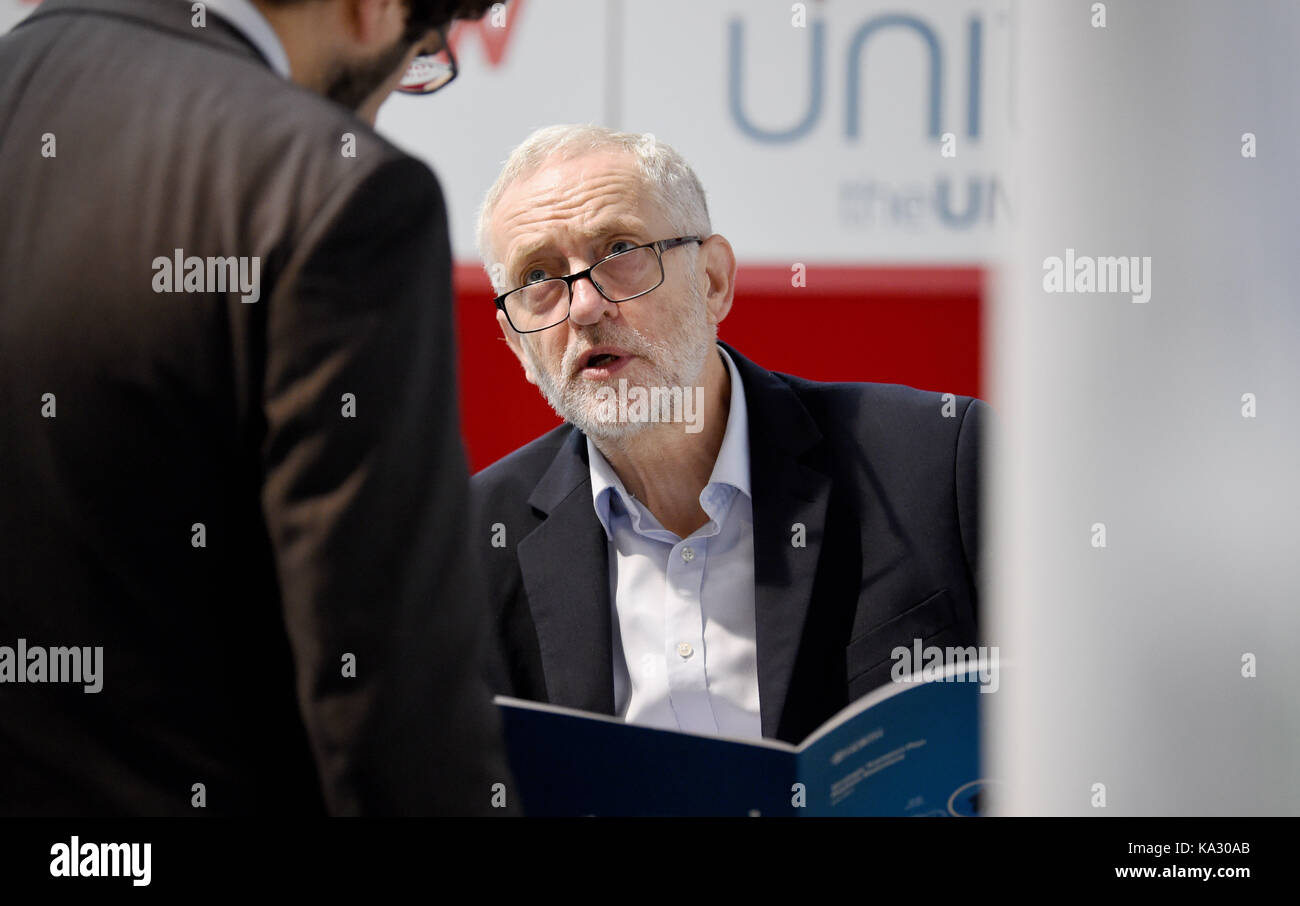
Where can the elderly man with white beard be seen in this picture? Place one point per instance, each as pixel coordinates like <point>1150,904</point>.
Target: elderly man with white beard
<point>744,572</point>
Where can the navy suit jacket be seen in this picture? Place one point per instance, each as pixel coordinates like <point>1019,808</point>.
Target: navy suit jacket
<point>884,483</point>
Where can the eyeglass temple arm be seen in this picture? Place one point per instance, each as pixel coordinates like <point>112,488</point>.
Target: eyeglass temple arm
<point>665,244</point>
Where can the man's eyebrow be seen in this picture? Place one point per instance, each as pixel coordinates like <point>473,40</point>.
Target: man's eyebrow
<point>604,228</point>
<point>591,233</point>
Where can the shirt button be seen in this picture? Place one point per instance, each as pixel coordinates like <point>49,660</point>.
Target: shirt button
<point>685,649</point>
<point>688,554</point>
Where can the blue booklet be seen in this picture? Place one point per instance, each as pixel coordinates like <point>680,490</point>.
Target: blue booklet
<point>908,748</point>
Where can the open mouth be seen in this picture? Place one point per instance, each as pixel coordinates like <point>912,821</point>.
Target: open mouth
<point>601,363</point>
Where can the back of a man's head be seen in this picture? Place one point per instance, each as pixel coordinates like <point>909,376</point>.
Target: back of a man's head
<point>355,51</point>
<point>424,15</point>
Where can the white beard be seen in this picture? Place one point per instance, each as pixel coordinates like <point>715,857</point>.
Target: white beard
<point>677,360</point>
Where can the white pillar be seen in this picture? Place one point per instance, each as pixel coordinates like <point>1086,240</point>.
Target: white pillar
<point>1128,659</point>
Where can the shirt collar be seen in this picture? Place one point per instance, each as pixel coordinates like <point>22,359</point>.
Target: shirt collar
<point>730,468</point>
<point>249,22</point>
<point>732,464</point>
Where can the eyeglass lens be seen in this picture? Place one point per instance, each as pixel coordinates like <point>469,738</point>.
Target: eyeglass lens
<point>618,278</point>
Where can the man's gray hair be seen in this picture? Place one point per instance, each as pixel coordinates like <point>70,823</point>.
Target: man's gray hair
<point>668,179</point>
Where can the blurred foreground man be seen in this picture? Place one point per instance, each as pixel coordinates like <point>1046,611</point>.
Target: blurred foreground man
<point>706,545</point>
<point>231,471</point>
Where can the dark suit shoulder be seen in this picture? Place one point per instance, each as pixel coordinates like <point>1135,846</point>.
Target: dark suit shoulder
<point>900,415</point>
<point>298,156</point>
<point>218,121</point>
<point>516,474</point>
<point>287,123</point>
<point>919,452</point>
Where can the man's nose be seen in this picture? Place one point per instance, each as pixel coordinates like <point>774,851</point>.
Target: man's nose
<point>588,305</point>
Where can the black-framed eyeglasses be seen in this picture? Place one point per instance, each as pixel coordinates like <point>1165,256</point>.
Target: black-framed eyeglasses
<point>429,72</point>
<point>620,277</point>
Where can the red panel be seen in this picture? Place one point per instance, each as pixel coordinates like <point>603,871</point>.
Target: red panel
<point>917,326</point>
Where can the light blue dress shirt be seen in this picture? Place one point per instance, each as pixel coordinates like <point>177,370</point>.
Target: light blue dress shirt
<point>683,621</point>
<point>250,23</point>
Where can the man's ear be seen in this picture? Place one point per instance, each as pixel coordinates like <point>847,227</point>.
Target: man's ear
<point>719,261</point>
<point>516,344</point>
<point>373,24</point>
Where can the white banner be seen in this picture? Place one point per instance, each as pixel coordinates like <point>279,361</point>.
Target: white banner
<point>818,131</point>
<point>833,131</point>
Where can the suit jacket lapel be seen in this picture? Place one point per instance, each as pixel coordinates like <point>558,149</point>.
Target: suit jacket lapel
<point>786,492</point>
<point>565,567</point>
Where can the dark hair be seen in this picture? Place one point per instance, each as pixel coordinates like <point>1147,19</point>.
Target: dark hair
<point>423,16</point>
<point>426,15</point>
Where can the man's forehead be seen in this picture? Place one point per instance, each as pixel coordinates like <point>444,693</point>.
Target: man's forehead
<point>581,197</point>
<point>561,170</point>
